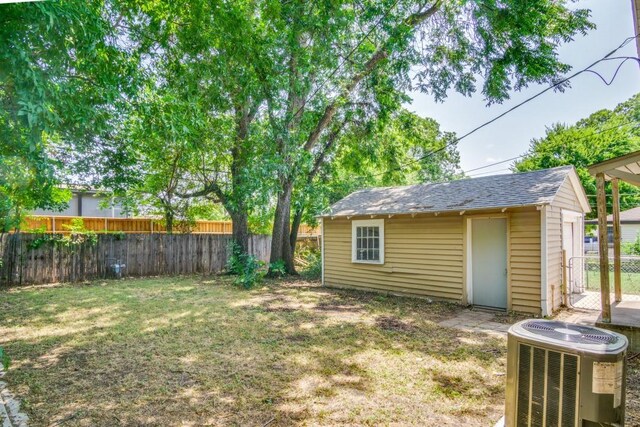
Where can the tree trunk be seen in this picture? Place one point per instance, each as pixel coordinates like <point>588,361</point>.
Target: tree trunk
<point>240,230</point>
<point>168,220</point>
<point>295,227</point>
<point>280,244</point>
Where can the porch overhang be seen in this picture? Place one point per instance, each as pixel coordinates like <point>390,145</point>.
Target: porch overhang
<point>624,168</point>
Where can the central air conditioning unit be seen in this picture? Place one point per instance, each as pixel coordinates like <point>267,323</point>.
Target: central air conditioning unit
<point>563,374</point>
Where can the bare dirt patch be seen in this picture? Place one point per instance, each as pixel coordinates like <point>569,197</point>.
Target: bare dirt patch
<point>390,323</point>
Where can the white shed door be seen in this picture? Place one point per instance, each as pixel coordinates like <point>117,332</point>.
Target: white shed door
<point>489,262</point>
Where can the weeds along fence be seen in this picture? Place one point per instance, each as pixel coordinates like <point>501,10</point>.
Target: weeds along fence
<point>47,258</point>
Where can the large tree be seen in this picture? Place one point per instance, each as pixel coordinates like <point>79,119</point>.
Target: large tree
<point>203,53</point>
<point>330,61</point>
<point>601,136</point>
<point>292,76</point>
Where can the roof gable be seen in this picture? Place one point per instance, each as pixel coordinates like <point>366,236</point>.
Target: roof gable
<point>498,191</point>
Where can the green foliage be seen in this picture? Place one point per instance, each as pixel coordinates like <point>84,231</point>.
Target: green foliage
<point>275,89</point>
<point>601,136</point>
<point>117,235</point>
<point>278,269</point>
<point>312,266</point>
<point>5,361</point>
<point>632,248</point>
<point>246,103</point>
<point>77,236</point>
<point>62,74</point>
<point>248,269</point>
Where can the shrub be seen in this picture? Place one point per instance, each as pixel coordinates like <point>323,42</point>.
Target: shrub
<point>278,269</point>
<point>252,272</point>
<point>632,248</point>
<point>311,263</point>
<point>247,267</point>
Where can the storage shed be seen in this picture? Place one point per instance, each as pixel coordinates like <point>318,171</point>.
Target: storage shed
<point>494,241</point>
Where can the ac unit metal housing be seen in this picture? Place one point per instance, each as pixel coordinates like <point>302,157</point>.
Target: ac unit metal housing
<point>563,374</point>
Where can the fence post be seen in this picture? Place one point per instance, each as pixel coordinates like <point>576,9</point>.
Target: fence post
<point>617,275</point>
<point>603,243</point>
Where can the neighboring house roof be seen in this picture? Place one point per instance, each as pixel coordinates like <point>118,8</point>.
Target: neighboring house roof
<point>630,216</point>
<point>498,191</point>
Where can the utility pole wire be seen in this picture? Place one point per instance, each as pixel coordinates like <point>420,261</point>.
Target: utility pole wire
<point>526,101</point>
<point>525,154</point>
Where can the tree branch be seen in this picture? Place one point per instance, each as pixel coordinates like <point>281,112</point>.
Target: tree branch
<point>381,54</point>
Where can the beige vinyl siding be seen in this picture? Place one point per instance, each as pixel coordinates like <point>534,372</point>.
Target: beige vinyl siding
<point>566,198</point>
<point>423,256</point>
<point>554,256</point>
<point>629,232</point>
<point>524,261</point>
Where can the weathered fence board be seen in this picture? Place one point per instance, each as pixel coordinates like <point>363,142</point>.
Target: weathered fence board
<point>23,261</point>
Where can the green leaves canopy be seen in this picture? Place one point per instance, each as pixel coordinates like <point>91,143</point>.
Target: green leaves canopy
<point>601,136</point>
<point>63,71</point>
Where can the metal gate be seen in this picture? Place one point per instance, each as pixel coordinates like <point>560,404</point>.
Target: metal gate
<point>583,285</point>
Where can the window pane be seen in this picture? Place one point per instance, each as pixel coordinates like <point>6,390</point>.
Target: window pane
<point>367,243</point>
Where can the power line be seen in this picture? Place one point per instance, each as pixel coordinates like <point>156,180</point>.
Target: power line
<point>494,164</point>
<point>531,98</point>
<point>486,173</point>
<point>524,155</point>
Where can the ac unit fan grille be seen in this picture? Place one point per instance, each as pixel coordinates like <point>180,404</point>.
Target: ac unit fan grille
<point>547,384</point>
<point>580,334</point>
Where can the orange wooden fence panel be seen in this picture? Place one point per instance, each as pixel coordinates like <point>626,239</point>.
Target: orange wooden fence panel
<point>62,224</point>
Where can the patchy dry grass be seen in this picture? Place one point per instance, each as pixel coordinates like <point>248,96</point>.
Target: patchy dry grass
<point>193,351</point>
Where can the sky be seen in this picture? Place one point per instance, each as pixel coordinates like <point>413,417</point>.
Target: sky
<point>511,135</point>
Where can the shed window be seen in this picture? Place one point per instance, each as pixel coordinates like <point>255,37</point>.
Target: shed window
<point>368,241</point>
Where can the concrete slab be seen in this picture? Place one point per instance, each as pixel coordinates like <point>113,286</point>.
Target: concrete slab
<point>625,319</point>
<point>10,414</point>
<point>477,321</point>
<point>626,313</point>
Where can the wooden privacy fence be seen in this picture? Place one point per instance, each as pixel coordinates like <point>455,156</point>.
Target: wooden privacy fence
<point>61,224</point>
<point>36,258</point>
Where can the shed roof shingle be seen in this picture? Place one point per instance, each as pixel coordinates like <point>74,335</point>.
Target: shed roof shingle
<point>497,191</point>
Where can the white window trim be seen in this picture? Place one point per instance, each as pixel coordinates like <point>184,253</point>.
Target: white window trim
<point>367,223</point>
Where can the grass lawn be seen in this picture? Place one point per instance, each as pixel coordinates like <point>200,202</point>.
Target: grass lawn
<point>630,282</point>
<point>193,351</point>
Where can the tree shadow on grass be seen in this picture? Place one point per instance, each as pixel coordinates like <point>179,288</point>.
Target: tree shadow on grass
<point>214,354</point>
